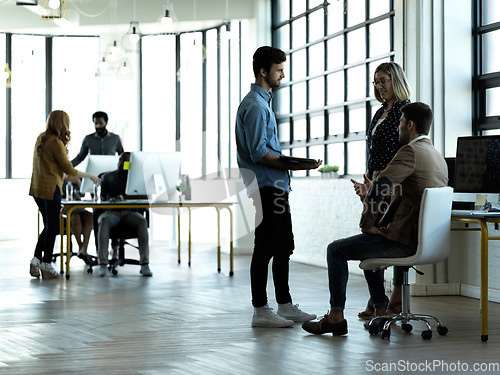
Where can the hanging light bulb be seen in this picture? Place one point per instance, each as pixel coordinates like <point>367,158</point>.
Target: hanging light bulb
<point>103,64</point>
<point>54,4</point>
<point>134,35</point>
<point>111,57</point>
<point>114,49</point>
<point>166,20</point>
<point>124,69</point>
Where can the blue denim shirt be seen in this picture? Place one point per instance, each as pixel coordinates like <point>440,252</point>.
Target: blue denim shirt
<point>256,135</point>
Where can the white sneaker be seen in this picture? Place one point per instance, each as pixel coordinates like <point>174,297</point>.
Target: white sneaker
<point>48,272</point>
<point>103,270</point>
<point>292,312</point>
<point>35,267</point>
<point>265,317</point>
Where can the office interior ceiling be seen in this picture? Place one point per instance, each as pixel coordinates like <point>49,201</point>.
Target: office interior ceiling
<point>97,17</point>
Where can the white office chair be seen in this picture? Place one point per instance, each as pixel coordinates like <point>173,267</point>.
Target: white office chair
<point>433,247</point>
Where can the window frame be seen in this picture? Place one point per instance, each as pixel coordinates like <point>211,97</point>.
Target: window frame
<point>482,82</point>
<point>328,109</point>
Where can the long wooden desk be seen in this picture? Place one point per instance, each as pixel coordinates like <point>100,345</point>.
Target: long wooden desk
<point>482,220</point>
<point>69,206</point>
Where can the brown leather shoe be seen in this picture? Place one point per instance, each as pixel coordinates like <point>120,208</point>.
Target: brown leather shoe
<point>324,326</point>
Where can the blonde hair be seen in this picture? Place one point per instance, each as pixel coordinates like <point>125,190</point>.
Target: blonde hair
<point>58,125</point>
<point>400,85</point>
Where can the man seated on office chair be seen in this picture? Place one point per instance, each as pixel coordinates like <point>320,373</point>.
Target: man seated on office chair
<point>113,189</point>
<point>387,230</point>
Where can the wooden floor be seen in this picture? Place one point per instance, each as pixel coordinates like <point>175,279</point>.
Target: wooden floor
<point>195,321</point>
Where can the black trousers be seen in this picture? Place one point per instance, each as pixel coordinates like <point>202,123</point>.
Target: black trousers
<point>273,239</point>
<point>50,209</point>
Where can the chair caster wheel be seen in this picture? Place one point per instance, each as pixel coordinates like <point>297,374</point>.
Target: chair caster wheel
<point>90,270</point>
<point>386,334</point>
<point>406,327</point>
<point>427,335</point>
<point>114,272</point>
<point>373,329</point>
<point>442,330</point>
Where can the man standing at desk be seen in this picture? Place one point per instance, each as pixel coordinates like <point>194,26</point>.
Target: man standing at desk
<point>113,188</point>
<point>101,142</point>
<point>259,154</point>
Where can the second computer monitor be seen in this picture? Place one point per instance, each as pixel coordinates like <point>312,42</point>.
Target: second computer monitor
<point>97,164</point>
<point>153,174</point>
<point>477,165</point>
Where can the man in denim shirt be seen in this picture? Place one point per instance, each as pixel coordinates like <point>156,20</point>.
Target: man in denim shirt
<point>267,180</point>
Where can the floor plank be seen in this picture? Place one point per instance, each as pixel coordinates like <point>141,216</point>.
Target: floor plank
<point>196,321</point>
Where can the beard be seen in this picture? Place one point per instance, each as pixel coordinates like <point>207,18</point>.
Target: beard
<point>101,131</point>
<point>273,84</point>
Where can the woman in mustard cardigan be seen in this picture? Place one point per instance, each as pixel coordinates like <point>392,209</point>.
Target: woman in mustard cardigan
<point>50,163</point>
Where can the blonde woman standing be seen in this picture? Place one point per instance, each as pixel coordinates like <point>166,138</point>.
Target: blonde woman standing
<point>392,90</point>
<point>50,163</point>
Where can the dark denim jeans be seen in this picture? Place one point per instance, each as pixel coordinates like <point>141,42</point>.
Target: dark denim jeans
<point>360,247</point>
<point>50,210</point>
<point>273,239</point>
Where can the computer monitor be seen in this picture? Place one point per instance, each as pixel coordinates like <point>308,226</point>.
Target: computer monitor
<point>97,164</point>
<point>153,174</point>
<point>477,165</point>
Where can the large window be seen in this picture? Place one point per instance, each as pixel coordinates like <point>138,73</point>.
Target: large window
<point>325,104</point>
<point>158,93</point>
<point>6,76</point>
<point>190,87</point>
<point>28,100</point>
<point>486,80</point>
<point>46,73</point>
<point>75,85</point>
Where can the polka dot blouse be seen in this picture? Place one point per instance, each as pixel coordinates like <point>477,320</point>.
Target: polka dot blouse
<point>384,142</point>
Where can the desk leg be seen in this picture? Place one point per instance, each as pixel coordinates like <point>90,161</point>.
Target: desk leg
<point>189,237</point>
<point>61,234</point>
<point>484,281</point>
<point>68,240</point>
<point>178,235</point>
<point>231,273</point>
<point>218,239</point>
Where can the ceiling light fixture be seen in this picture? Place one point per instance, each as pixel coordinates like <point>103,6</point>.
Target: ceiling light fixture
<point>54,4</point>
<point>166,20</point>
<point>114,49</point>
<point>124,69</point>
<point>134,34</point>
<point>48,12</point>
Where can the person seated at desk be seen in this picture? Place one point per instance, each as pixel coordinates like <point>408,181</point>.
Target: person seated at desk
<point>81,221</point>
<point>391,232</point>
<point>113,188</point>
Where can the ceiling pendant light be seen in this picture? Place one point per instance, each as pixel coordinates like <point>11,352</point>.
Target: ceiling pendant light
<point>54,4</point>
<point>114,49</point>
<point>166,20</point>
<point>134,35</point>
<point>54,9</point>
